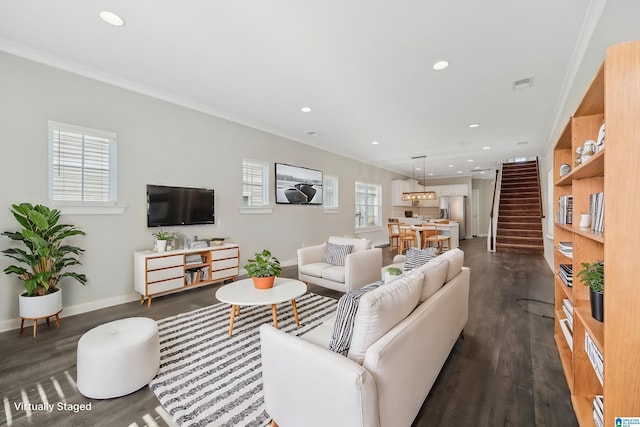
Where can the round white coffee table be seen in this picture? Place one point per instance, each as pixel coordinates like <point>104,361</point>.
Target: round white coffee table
<point>243,292</point>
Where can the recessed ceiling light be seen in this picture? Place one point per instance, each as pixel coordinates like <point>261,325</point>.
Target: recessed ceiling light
<point>430,174</point>
<point>111,18</point>
<point>486,148</point>
<point>375,142</point>
<point>459,171</point>
<point>440,65</point>
<point>305,109</point>
<point>477,167</point>
<point>450,166</point>
<point>470,160</point>
<point>474,125</point>
<point>481,171</point>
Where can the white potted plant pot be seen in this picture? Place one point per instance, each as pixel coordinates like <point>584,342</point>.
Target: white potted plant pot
<point>161,245</point>
<point>40,306</point>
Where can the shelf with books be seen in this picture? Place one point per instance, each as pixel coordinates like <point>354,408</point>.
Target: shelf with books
<point>593,327</point>
<point>619,191</point>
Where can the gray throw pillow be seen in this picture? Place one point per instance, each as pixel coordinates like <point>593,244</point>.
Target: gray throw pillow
<point>417,258</point>
<point>345,316</point>
<point>336,254</point>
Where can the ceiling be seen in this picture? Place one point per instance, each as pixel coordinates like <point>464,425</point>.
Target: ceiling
<point>363,67</point>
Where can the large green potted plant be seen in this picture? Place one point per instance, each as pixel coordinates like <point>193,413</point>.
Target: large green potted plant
<point>592,275</point>
<point>43,259</point>
<point>263,268</point>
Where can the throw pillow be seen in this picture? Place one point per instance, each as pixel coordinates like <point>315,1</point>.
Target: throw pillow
<point>417,258</point>
<point>345,316</point>
<point>335,254</point>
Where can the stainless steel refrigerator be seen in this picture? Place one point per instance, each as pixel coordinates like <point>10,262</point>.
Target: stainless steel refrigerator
<point>454,208</point>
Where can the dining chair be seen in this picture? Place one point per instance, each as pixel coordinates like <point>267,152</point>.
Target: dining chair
<point>406,239</point>
<point>430,235</point>
<point>394,234</point>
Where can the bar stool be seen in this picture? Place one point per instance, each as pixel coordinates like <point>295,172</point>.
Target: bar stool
<point>406,239</point>
<point>430,234</point>
<point>394,234</point>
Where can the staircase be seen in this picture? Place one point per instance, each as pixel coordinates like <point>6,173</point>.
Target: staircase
<point>520,212</point>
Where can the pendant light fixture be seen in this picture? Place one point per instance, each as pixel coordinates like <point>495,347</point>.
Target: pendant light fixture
<point>419,195</point>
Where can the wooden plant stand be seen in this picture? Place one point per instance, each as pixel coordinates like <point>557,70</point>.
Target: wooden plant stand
<point>35,322</point>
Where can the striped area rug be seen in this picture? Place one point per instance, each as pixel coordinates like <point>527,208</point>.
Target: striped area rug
<point>207,378</point>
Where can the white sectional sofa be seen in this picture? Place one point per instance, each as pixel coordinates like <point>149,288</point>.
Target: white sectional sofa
<point>403,333</point>
<point>360,267</point>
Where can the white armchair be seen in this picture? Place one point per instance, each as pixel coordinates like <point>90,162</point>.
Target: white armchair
<point>361,267</point>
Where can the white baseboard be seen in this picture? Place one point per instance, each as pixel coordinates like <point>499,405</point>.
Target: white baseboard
<point>7,325</point>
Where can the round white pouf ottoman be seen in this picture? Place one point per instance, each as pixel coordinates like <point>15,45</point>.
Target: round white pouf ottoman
<point>118,358</point>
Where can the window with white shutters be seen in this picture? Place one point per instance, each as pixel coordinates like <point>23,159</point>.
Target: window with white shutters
<point>82,165</point>
<point>255,183</point>
<point>330,188</point>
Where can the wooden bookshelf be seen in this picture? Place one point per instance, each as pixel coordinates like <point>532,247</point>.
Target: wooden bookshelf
<point>613,98</point>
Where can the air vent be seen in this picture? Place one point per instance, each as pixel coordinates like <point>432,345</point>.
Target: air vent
<point>523,83</point>
<point>522,143</point>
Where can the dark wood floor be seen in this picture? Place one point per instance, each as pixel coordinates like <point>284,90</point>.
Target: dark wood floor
<point>505,372</point>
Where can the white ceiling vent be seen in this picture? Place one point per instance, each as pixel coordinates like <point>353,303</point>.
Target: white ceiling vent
<point>523,83</point>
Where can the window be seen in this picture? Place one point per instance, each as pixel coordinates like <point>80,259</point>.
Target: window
<point>368,205</point>
<point>82,165</point>
<point>330,188</point>
<point>255,183</point>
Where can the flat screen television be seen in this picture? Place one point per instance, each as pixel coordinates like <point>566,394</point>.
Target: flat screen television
<point>297,185</point>
<point>179,206</point>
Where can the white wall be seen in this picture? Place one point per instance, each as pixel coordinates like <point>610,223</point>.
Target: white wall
<point>485,188</point>
<point>158,143</point>
<point>618,24</point>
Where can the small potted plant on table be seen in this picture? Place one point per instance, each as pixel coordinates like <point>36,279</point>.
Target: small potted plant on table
<point>263,269</point>
<point>592,275</point>
<point>392,273</point>
<point>162,237</point>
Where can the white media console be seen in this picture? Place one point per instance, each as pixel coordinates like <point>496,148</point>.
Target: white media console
<point>158,273</point>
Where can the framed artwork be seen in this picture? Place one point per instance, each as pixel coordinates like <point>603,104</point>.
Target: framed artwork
<point>297,185</point>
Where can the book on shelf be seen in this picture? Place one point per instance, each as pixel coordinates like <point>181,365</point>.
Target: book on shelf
<point>596,206</point>
<point>567,303</point>
<point>204,273</point>
<point>594,355</point>
<point>565,272</point>
<point>566,331</point>
<point>193,259</point>
<point>565,210</point>
<point>567,307</point>
<point>566,248</point>
<point>598,410</point>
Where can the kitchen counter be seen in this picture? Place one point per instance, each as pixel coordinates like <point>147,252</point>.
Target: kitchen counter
<point>450,229</point>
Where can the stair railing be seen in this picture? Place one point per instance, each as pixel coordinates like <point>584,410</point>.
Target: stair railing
<point>539,188</point>
<point>493,215</point>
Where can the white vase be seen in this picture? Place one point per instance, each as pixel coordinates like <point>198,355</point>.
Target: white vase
<point>161,245</point>
<point>40,306</point>
<point>585,220</point>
